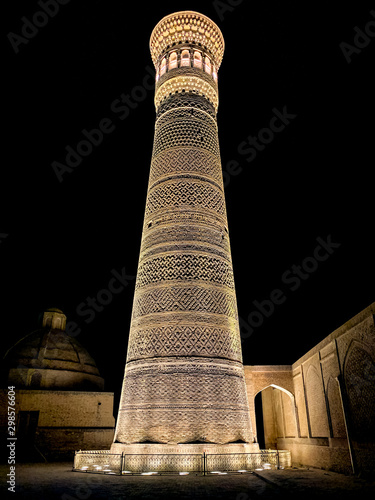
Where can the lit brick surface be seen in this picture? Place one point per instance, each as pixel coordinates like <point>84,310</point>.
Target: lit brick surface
<point>184,379</point>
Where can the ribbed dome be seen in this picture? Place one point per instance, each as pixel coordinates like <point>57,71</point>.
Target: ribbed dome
<point>50,359</point>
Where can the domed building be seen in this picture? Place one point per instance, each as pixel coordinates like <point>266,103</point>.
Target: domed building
<point>51,359</point>
<point>61,405</point>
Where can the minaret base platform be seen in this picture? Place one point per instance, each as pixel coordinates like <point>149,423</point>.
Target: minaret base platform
<point>189,458</point>
<point>181,449</point>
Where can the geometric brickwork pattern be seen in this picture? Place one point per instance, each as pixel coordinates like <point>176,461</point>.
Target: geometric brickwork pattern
<point>101,462</point>
<point>181,127</point>
<point>188,161</point>
<point>173,229</point>
<point>359,377</point>
<point>184,379</point>
<point>187,341</point>
<point>184,267</point>
<point>184,391</point>
<point>190,83</point>
<point>182,100</point>
<point>182,298</point>
<point>185,192</point>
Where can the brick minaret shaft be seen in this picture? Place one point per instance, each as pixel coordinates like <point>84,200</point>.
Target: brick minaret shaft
<point>184,379</point>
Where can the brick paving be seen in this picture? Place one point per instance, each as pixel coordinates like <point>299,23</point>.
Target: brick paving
<point>57,481</point>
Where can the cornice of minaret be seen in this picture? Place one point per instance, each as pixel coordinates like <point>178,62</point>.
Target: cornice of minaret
<point>189,27</point>
<point>187,49</point>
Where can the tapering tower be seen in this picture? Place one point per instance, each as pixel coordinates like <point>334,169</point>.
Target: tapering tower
<point>184,380</point>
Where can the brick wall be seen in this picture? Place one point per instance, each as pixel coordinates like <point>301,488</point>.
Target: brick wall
<point>68,408</point>
<point>67,421</point>
<point>322,408</point>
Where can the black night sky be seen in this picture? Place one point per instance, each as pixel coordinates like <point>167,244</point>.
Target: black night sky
<point>61,242</point>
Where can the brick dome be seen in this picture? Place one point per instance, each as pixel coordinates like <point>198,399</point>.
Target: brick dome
<point>50,359</point>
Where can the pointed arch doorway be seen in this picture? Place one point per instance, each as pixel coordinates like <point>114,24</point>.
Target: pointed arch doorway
<point>275,415</point>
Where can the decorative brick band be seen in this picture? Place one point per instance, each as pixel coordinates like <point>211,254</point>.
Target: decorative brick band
<point>182,84</point>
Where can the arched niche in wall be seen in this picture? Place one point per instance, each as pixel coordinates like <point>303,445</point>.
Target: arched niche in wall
<point>359,377</point>
<point>197,60</point>
<point>172,60</point>
<point>185,58</point>
<point>335,409</point>
<point>278,418</point>
<point>316,403</point>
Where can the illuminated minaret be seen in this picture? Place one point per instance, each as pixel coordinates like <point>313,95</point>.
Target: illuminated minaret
<point>184,379</point>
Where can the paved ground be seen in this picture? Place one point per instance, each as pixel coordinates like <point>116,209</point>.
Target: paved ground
<point>57,481</point>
